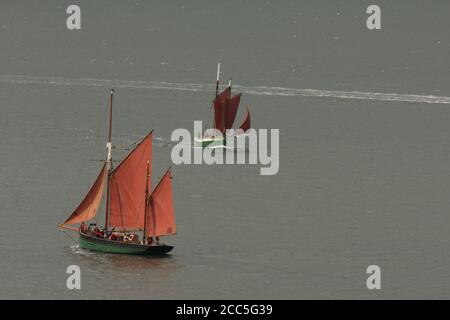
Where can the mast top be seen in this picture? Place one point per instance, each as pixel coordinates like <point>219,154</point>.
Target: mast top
<point>218,71</point>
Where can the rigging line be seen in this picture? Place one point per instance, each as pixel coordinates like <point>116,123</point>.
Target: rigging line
<point>76,242</point>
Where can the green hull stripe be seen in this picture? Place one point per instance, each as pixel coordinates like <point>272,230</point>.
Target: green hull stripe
<point>212,142</point>
<point>105,247</point>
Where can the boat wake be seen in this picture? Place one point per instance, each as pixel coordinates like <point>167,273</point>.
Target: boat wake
<point>76,249</point>
<point>161,142</point>
<point>225,148</point>
<point>261,90</point>
<point>230,149</point>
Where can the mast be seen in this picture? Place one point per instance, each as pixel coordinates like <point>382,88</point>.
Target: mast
<point>146,201</point>
<point>227,103</point>
<point>217,79</point>
<point>109,159</point>
<point>217,92</point>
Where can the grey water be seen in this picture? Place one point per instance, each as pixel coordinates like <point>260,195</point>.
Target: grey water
<point>363,116</point>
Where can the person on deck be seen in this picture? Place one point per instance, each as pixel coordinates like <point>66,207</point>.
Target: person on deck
<point>112,234</point>
<point>91,228</point>
<point>99,232</point>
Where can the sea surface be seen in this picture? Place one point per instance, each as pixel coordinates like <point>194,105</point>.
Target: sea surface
<point>364,120</point>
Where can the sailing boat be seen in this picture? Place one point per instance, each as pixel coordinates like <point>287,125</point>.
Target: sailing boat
<point>225,109</point>
<point>131,208</point>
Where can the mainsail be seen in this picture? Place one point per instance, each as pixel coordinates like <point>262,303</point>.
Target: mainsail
<point>127,187</point>
<point>220,103</point>
<point>225,110</point>
<point>160,213</point>
<point>87,209</point>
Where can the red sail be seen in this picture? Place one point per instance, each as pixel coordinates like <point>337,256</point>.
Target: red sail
<point>127,187</point>
<point>231,110</point>
<point>219,109</point>
<point>161,218</point>
<point>219,121</point>
<point>88,207</point>
<point>224,95</point>
<point>246,123</point>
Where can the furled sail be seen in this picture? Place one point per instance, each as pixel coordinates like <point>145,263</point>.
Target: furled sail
<point>88,207</point>
<point>127,187</point>
<point>160,213</point>
<point>246,123</point>
<point>231,110</point>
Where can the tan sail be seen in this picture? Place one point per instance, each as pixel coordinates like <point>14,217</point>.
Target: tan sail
<point>89,206</point>
<point>127,187</point>
<point>161,218</point>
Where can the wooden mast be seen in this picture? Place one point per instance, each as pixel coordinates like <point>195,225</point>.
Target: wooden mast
<point>146,201</point>
<point>109,159</point>
<point>227,103</point>
<point>217,93</point>
<point>217,79</point>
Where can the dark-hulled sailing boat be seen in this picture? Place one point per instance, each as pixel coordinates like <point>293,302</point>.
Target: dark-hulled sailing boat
<point>132,207</point>
<point>225,107</point>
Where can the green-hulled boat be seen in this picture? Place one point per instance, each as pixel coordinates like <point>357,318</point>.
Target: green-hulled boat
<point>209,142</point>
<point>132,209</point>
<point>106,245</point>
<point>225,107</point>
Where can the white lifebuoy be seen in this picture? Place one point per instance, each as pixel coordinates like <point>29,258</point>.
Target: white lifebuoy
<point>128,237</point>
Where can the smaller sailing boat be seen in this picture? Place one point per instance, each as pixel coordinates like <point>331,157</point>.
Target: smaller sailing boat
<point>225,109</point>
<point>132,209</point>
